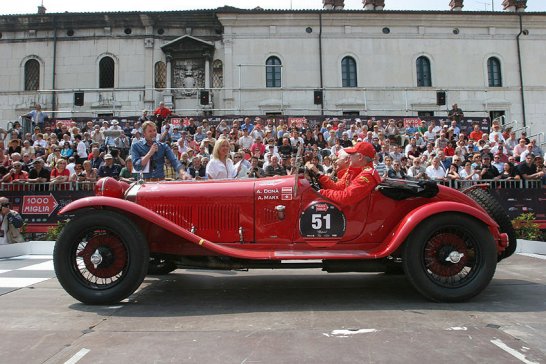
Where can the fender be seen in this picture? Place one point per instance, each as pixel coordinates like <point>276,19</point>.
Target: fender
<point>99,202</point>
<point>414,218</point>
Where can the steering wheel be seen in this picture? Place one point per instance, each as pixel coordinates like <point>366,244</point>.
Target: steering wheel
<point>313,179</point>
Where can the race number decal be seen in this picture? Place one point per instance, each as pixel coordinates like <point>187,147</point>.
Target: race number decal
<point>322,220</point>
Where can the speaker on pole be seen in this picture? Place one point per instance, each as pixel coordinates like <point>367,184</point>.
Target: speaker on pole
<point>204,97</point>
<point>317,97</point>
<point>78,98</point>
<point>440,98</point>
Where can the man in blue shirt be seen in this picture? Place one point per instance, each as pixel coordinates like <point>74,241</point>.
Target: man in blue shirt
<point>37,116</point>
<point>149,155</point>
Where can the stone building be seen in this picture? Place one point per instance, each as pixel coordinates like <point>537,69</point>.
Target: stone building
<point>332,61</point>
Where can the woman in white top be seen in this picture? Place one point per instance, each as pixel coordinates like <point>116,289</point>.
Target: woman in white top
<point>220,166</point>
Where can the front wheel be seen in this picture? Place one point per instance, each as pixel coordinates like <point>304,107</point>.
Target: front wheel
<point>101,257</point>
<point>450,258</point>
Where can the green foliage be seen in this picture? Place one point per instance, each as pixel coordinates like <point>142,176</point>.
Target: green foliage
<point>54,231</point>
<point>526,228</point>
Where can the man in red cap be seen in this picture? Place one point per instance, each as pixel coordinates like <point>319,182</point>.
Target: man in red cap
<point>353,187</point>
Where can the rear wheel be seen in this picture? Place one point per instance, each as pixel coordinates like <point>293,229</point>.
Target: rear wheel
<point>450,258</point>
<point>497,213</point>
<point>101,257</point>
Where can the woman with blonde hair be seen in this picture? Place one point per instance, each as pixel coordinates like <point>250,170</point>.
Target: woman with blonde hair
<point>220,165</point>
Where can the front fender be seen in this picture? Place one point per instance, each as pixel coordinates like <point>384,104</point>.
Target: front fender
<point>124,206</point>
<point>410,222</point>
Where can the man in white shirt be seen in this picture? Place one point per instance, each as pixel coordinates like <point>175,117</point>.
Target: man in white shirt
<point>436,171</point>
<point>246,141</point>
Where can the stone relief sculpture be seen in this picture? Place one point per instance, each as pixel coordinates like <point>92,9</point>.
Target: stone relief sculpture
<point>188,76</point>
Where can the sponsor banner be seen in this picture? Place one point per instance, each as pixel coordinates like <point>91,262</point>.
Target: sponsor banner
<point>42,207</point>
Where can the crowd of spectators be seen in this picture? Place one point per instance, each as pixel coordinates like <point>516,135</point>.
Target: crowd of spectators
<point>69,152</point>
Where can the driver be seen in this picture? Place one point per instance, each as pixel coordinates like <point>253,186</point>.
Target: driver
<point>354,187</point>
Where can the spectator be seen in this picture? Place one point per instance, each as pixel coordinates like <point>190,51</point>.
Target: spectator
<point>77,174</point>
<point>453,173</point>
<point>126,174</point>
<point>37,116</point>
<point>477,133</point>
<point>528,169</point>
<point>537,151</point>
<point>455,113</point>
<point>488,171</point>
<point>197,170</point>
<point>469,173</point>
<point>95,158</point>
<point>67,151</point>
<point>10,225</point>
<point>274,168</point>
<point>221,166</point>
<point>89,173</point>
<point>162,113</point>
<point>255,171</point>
<point>109,169</point>
<point>498,163</point>
<point>81,148</point>
<point>257,149</point>
<point>518,149</point>
<point>508,172</point>
<point>396,171</point>
<point>60,175</point>
<point>436,171</point>
<point>511,142</point>
<point>16,174</point>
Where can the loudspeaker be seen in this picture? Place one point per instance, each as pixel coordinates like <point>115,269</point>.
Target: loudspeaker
<point>204,97</point>
<point>317,97</point>
<point>78,98</point>
<point>440,98</point>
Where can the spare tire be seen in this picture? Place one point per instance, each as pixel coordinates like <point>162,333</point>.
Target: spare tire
<point>497,213</point>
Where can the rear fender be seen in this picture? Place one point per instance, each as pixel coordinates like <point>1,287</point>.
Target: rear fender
<point>411,221</point>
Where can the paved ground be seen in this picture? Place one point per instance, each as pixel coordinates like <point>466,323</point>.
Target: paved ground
<point>288,316</point>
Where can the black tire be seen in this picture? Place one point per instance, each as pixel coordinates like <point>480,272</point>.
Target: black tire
<point>426,258</point>
<point>160,266</point>
<point>120,265</point>
<point>497,213</point>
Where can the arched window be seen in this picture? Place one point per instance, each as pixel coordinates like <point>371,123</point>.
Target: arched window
<point>273,72</point>
<point>106,72</point>
<point>424,78</point>
<point>494,72</point>
<point>348,72</point>
<point>32,75</point>
<point>217,74</point>
<point>160,72</point>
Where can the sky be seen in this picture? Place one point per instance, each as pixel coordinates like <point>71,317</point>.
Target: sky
<point>59,6</point>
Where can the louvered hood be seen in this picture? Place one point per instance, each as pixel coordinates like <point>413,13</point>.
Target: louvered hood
<point>220,211</point>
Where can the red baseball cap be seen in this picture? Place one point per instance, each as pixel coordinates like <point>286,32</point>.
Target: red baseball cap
<point>363,148</point>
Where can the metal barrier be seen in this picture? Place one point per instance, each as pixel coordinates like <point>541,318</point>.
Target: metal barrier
<point>495,184</point>
<point>48,186</point>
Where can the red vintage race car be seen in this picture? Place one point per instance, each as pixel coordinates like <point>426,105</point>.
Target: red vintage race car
<point>446,241</point>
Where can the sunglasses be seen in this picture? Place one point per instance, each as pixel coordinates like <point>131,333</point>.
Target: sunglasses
<point>5,205</point>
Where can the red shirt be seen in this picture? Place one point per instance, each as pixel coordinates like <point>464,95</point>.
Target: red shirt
<point>476,135</point>
<point>358,188</point>
<point>163,112</point>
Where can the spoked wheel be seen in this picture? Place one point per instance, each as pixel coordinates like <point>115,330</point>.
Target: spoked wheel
<point>101,258</point>
<point>160,266</point>
<point>450,258</point>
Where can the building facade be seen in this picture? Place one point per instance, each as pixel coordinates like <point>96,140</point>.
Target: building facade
<point>306,62</point>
